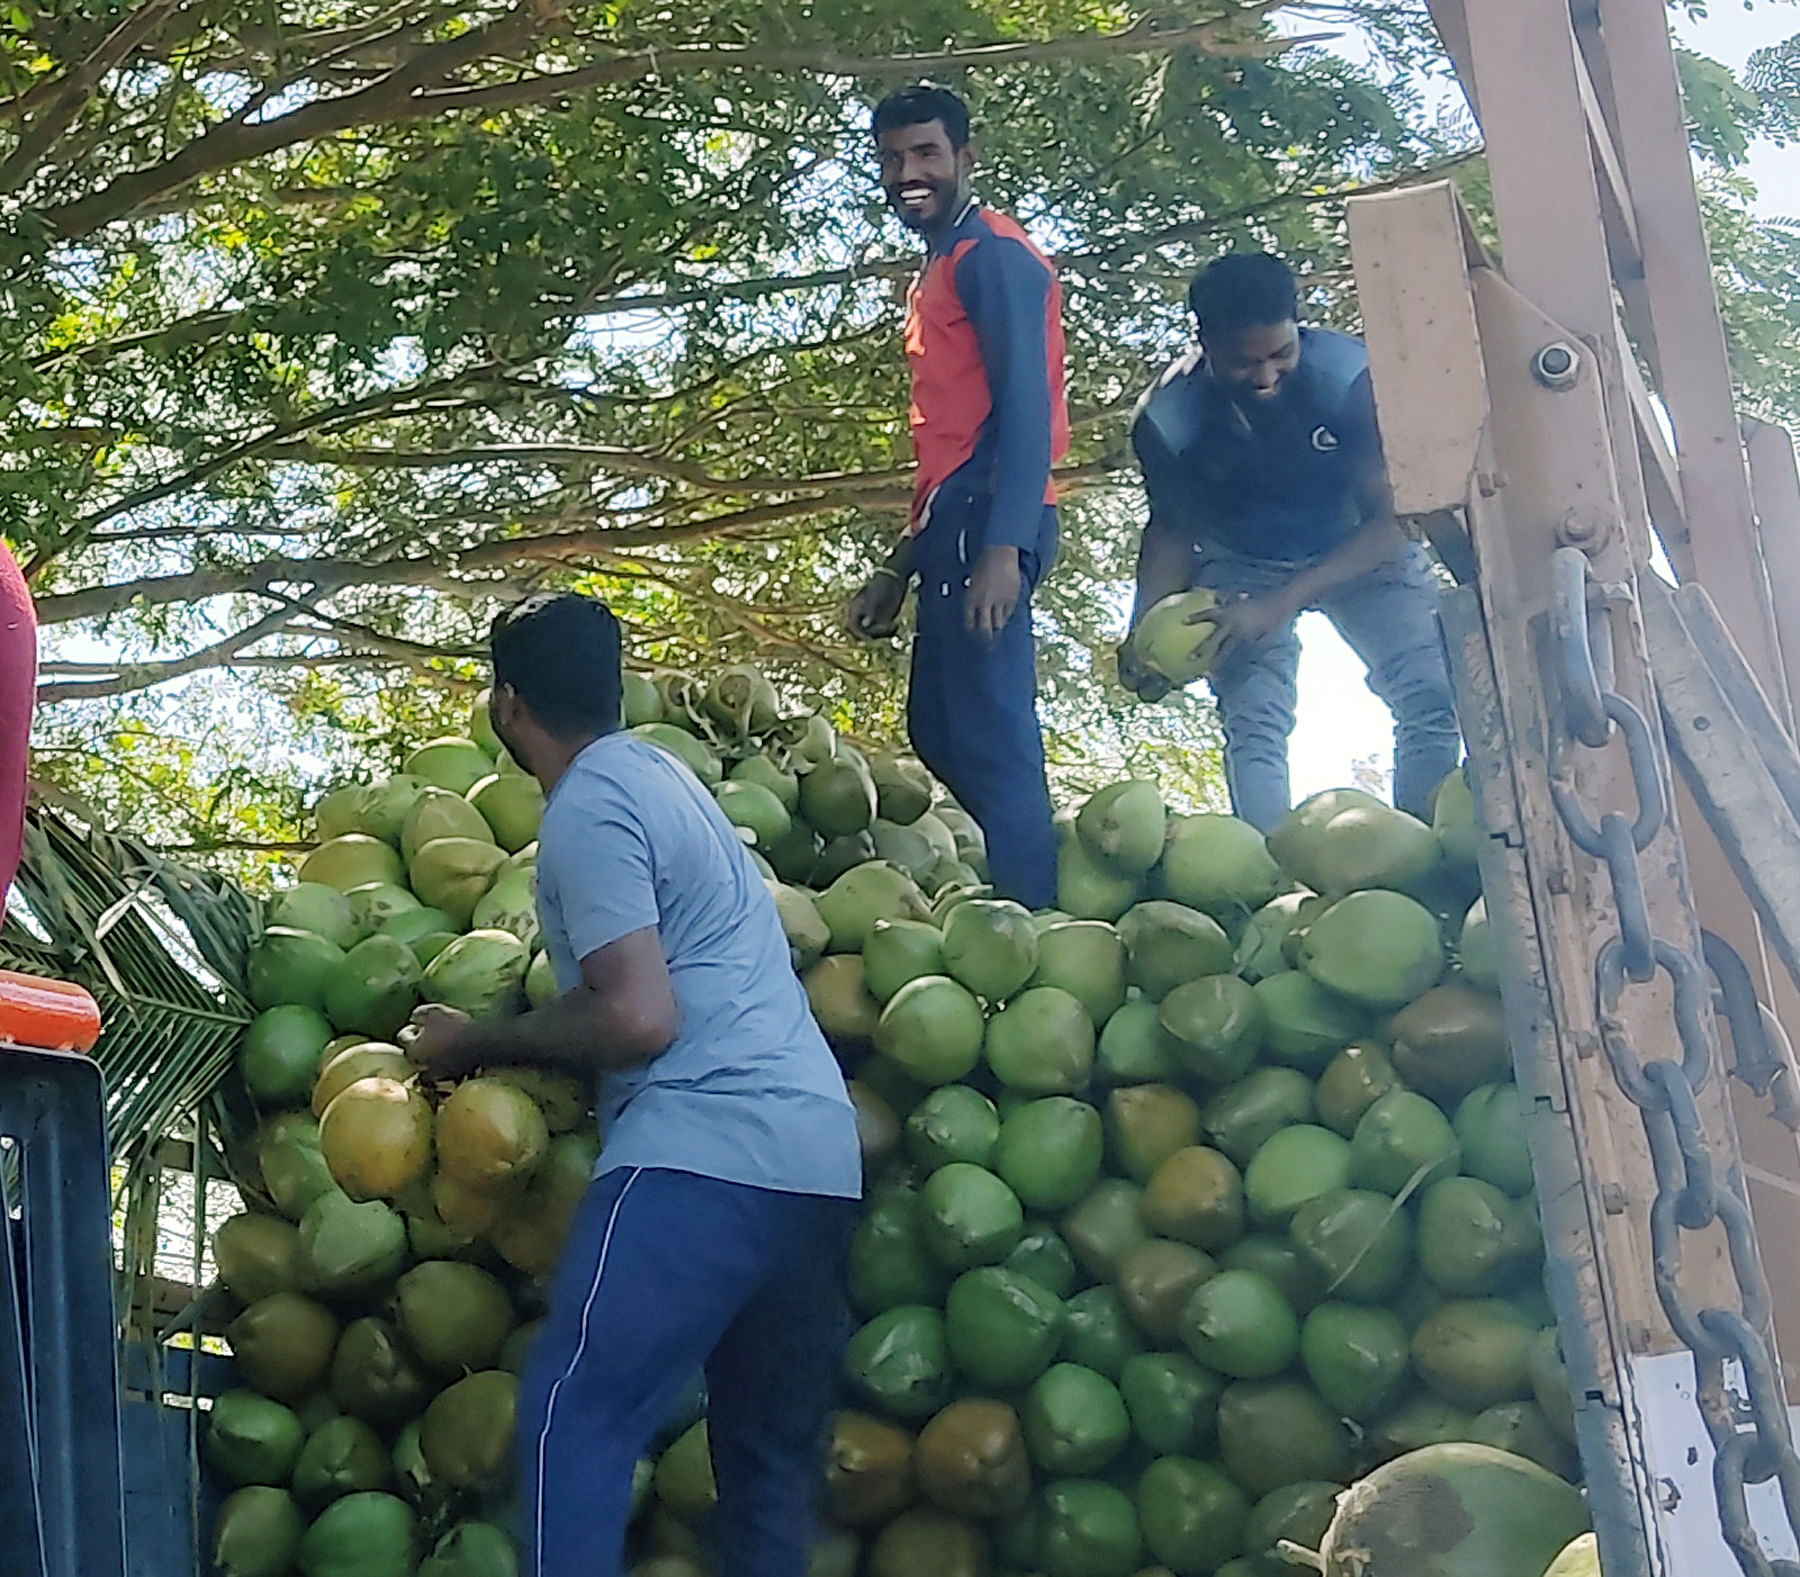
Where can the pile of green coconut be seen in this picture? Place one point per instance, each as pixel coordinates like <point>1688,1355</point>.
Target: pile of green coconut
<point>1199,1234</point>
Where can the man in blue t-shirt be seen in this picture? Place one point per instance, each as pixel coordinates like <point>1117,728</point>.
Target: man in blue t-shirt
<point>716,1229</point>
<point>1263,467</point>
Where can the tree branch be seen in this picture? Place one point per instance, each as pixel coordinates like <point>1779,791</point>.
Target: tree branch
<point>402,96</point>
<point>124,678</point>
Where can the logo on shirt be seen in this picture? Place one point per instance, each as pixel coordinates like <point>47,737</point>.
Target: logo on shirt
<point>1324,440</point>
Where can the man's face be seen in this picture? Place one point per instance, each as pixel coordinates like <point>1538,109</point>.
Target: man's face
<point>1254,364</point>
<point>924,177</point>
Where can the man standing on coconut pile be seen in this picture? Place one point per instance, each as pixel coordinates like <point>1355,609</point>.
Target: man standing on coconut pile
<point>716,1229</point>
<point>1266,483</point>
<point>985,343</point>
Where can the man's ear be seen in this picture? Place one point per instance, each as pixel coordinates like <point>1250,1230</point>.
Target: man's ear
<point>965,157</point>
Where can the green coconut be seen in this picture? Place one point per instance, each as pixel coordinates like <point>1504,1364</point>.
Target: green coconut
<point>933,1029</point>
<point>1476,950</point>
<point>375,1377</point>
<point>280,1053</point>
<point>902,788</point>
<point>451,874</point>
<point>1454,1511</point>
<point>1049,1152</point>
<point>472,1549</point>
<point>1262,945</point>
<point>314,907</point>
<point>742,698</point>
<point>1473,1239</point>
<point>852,904</point>
<point>256,1533</point>
<point>1342,841</point>
<point>1403,1142</point>
<point>838,797</point>
<point>257,1256</point>
<point>1450,1041</point>
<point>1475,1353</point>
<point>343,1456</point>
<point>1218,865</point>
<point>1122,827</point>
<point>1490,1125</point>
<point>969,1217</point>
<point>477,974</point>
<point>1196,1197</point>
<point>454,1317</point>
<point>1356,1357</point>
<point>282,1344</point>
<point>1134,1048</point>
<point>369,1534</point>
<point>1192,1515</point>
<point>1294,1166</point>
<point>953,1123</point>
<point>1075,1420</point>
<point>289,968</point>
<point>1238,1323</point>
<point>840,999</point>
<point>754,810</point>
<point>1305,1024</point>
<point>1215,1025</point>
<point>762,771</point>
<point>387,804</point>
<point>1041,1043</point>
<point>802,924</point>
<point>467,1431</point>
<point>376,1138</point>
<point>1377,948</point>
<point>900,1362</point>
<point>1169,945</point>
<point>375,989</point>
<point>1360,1243</point>
<point>374,904</point>
<point>510,905</point>
<point>251,1439</point>
<point>991,946</point>
<point>898,952</point>
<point>512,806</point>
<point>1086,958</point>
<point>339,811</point>
<point>1352,1082</point>
<point>1146,1124</point>
<point>1174,641</point>
<point>455,765</point>
<point>692,753</point>
<point>352,860</point>
<point>438,813</point>
<point>349,1249</point>
<point>1085,888</point>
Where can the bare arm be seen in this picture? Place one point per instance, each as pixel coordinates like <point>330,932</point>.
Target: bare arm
<point>622,1014</point>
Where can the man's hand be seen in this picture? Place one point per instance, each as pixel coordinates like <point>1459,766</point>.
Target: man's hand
<point>439,1043</point>
<point>1246,621</point>
<point>994,590</point>
<point>1134,676</point>
<point>874,612</point>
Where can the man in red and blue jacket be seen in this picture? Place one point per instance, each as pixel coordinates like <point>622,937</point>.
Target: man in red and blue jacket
<point>985,344</point>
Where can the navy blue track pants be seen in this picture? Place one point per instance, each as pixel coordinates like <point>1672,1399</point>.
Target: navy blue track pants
<point>667,1272</point>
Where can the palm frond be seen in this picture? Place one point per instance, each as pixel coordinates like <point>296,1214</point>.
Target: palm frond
<point>161,947</point>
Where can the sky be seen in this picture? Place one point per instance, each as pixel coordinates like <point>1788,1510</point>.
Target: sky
<point>1340,722</point>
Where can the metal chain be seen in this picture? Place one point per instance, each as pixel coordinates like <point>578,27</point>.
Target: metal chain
<point>1747,1422</point>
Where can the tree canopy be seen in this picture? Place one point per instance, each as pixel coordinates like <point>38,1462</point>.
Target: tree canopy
<point>330,327</point>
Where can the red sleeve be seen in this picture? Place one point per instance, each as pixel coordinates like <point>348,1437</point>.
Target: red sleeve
<point>18,682</point>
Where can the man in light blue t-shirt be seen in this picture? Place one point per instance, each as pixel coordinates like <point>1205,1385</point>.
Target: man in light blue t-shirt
<point>716,1228</point>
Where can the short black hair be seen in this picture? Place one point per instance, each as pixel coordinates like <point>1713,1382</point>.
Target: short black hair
<point>562,654</point>
<point>1243,290</point>
<point>918,103</point>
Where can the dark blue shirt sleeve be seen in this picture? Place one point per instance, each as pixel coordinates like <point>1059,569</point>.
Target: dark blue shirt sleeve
<point>1005,291</point>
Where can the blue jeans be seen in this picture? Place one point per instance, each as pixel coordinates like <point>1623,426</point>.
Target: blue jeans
<point>666,1272</point>
<point>1389,618</point>
<point>971,709</point>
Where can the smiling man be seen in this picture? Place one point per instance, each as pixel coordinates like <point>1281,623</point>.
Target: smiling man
<point>985,344</point>
<point>1263,467</point>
